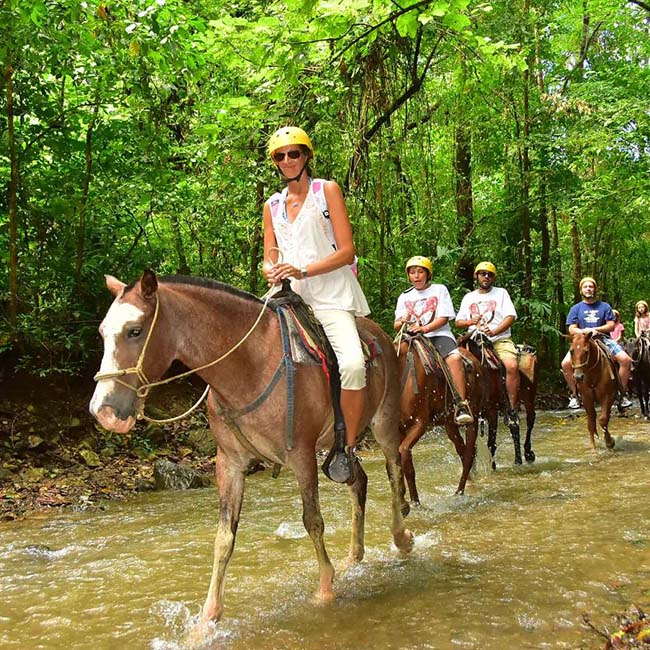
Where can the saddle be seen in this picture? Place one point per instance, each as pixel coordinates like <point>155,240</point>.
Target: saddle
<point>305,342</point>
<point>430,358</point>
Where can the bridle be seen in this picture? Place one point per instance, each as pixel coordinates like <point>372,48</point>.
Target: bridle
<point>582,365</point>
<point>145,386</point>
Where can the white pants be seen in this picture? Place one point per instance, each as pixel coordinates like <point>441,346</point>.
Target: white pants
<point>341,330</point>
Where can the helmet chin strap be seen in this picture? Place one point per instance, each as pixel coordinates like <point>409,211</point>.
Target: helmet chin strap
<point>296,178</point>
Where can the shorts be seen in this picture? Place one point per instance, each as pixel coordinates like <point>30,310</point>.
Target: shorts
<point>505,348</point>
<point>444,344</point>
<point>612,345</point>
<point>341,329</point>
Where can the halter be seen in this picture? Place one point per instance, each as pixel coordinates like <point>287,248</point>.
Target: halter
<point>145,385</point>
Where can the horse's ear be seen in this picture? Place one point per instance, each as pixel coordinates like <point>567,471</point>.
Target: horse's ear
<point>148,284</point>
<point>114,285</point>
<point>567,336</point>
<point>589,334</point>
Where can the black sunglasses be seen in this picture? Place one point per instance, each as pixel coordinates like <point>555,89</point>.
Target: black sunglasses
<point>294,154</point>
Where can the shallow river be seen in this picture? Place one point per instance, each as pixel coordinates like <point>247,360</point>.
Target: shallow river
<point>512,564</point>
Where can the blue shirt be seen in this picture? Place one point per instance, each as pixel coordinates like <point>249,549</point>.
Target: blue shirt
<point>586,315</point>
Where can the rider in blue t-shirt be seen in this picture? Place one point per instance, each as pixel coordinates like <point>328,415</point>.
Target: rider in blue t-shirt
<point>595,316</point>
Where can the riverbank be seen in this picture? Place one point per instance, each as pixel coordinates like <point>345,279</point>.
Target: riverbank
<point>54,456</point>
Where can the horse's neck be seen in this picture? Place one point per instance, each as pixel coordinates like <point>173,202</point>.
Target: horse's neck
<point>209,324</point>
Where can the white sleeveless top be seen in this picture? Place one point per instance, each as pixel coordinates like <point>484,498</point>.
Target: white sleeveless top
<point>306,240</point>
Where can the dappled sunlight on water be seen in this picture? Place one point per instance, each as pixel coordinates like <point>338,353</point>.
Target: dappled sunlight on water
<point>512,564</point>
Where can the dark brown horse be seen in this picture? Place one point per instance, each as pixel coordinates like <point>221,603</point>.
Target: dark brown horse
<point>235,343</point>
<point>596,380</point>
<point>426,400</point>
<point>639,351</point>
<point>495,401</point>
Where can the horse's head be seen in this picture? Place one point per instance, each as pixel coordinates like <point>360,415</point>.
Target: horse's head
<point>579,351</point>
<point>127,333</point>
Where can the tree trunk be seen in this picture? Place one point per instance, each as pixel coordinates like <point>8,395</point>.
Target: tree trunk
<point>12,198</point>
<point>577,260</point>
<point>83,211</point>
<point>464,199</point>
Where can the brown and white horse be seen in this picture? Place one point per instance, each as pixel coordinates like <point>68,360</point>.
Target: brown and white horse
<point>151,323</point>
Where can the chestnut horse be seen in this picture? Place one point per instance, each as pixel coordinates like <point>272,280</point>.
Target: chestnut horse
<point>235,343</point>
<point>495,401</point>
<point>596,379</point>
<point>639,351</point>
<point>426,400</point>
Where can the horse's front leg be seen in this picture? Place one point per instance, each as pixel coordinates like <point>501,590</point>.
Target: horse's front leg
<point>409,475</point>
<point>513,425</point>
<point>402,536</point>
<point>230,481</point>
<point>306,473</point>
<point>529,454</point>
<point>603,419</point>
<point>590,410</point>
<point>469,451</point>
<point>492,417</point>
<point>358,492</point>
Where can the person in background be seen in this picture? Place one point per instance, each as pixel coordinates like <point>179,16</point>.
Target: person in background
<point>619,328</point>
<point>425,308</point>
<point>489,310</point>
<point>641,318</point>
<point>595,316</point>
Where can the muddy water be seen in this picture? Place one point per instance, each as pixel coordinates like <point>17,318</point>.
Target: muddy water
<point>513,564</point>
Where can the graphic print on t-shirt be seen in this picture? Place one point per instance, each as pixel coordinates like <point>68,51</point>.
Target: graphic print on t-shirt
<point>421,311</point>
<point>485,309</point>
<point>591,317</point>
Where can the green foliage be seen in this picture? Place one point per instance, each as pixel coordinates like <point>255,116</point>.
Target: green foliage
<point>140,131</point>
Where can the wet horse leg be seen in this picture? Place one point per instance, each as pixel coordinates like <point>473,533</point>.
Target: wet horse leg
<point>492,417</point>
<point>402,536</point>
<point>409,475</point>
<point>468,449</point>
<point>529,454</point>
<point>358,492</point>
<point>603,418</point>
<point>312,519</point>
<point>230,481</point>
<point>590,410</point>
<point>516,438</point>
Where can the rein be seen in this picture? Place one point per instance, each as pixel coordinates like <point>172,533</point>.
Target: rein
<point>145,386</point>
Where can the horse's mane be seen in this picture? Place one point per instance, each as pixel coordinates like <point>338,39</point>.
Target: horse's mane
<point>206,283</point>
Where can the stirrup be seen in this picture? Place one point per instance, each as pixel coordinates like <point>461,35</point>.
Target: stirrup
<point>339,466</point>
<point>463,413</point>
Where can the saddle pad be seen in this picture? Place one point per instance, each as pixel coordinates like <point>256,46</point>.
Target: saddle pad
<point>305,351</point>
<point>526,361</point>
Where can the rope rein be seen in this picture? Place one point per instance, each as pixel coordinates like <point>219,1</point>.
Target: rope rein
<point>145,386</point>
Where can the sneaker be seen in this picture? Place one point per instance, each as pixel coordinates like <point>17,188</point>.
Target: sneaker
<point>624,402</point>
<point>463,414</point>
<point>574,403</point>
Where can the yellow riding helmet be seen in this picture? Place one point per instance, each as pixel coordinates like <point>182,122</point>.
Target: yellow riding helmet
<point>420,260</point>
<point>588,279</point>
<point>486,266</point>
<point>641,302</point>
<point>289,135</point>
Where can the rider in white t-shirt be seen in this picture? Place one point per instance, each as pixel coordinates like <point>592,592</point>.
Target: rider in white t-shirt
<point>489,310</point>
<point>426,308</point>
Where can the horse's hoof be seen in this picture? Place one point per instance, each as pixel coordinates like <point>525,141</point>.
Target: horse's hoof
<point>324,597</point>
<point>610,444</point>
<point>518,460</point>
<point>530,456</point>
<point>405,541</point>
